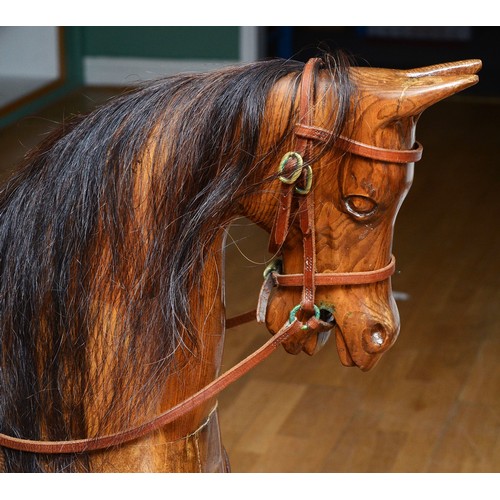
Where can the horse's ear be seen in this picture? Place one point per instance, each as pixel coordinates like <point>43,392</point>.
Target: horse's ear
<point>391,95</point>
<point>417,93</point>
<point>467,67</point>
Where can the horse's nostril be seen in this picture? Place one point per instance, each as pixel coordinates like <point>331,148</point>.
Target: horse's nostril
<point>375,338</point>
<point>326,315</point>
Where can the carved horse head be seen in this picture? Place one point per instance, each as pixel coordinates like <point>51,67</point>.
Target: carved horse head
<point>359,180</point>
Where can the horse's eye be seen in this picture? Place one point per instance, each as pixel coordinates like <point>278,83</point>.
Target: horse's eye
<point>360,206</point>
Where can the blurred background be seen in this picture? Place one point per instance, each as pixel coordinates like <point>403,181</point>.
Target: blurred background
<point>41,64</point>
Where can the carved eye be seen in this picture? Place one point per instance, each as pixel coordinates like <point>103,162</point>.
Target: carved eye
<point>360,206</point>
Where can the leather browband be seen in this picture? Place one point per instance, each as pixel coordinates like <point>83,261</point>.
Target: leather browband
<point>359,148</point>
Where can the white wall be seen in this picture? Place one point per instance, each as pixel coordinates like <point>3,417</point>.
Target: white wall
<point>29,60</point>
<point>29,51</point>
<point>100,70</point>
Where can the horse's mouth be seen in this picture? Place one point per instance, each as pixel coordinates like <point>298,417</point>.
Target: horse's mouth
<point>352,352</point>
<point>363,360</point>
<point>343,351</point>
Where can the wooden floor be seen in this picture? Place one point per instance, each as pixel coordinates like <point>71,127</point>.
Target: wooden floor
<point>433,403</point>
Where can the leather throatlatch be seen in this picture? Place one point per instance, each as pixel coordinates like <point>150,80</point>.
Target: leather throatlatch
<point>296,182</point>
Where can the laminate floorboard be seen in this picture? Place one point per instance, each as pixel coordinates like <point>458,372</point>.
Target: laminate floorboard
<point>432,404</point>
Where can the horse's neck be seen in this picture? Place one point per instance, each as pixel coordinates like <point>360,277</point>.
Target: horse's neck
<point>203,366</point>
<point>191,443</point>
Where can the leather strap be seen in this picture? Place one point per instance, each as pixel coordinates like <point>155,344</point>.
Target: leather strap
<point>281,224</point>
<point>210,391</point>
<point>241,319</point>
<point>339,279</point>
<point>359,148</point>
<point>380,154</point>
<point>306,201</point>
<point>306,213</point>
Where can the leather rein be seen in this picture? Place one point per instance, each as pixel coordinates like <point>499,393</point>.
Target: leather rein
<point>296,181</point>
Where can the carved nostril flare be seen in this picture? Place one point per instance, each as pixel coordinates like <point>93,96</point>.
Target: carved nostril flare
<point>375,338</point>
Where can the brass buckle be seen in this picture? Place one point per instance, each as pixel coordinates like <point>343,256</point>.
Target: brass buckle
<point>274,266</point>
<point>309,179</point>
<point>296,172</point>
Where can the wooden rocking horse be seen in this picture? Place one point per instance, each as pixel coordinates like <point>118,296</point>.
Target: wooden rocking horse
<point>112,239</point>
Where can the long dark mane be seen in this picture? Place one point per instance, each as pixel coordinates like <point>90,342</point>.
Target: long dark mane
<point>112,215</point>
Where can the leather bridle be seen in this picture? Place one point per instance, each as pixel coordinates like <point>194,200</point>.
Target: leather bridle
<point>306,134</point>
<point>296,176</point>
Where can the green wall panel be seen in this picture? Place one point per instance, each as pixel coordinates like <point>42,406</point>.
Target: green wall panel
<point>167,42</point>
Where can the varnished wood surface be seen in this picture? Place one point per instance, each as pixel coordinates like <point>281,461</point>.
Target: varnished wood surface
<point>432,403</point>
